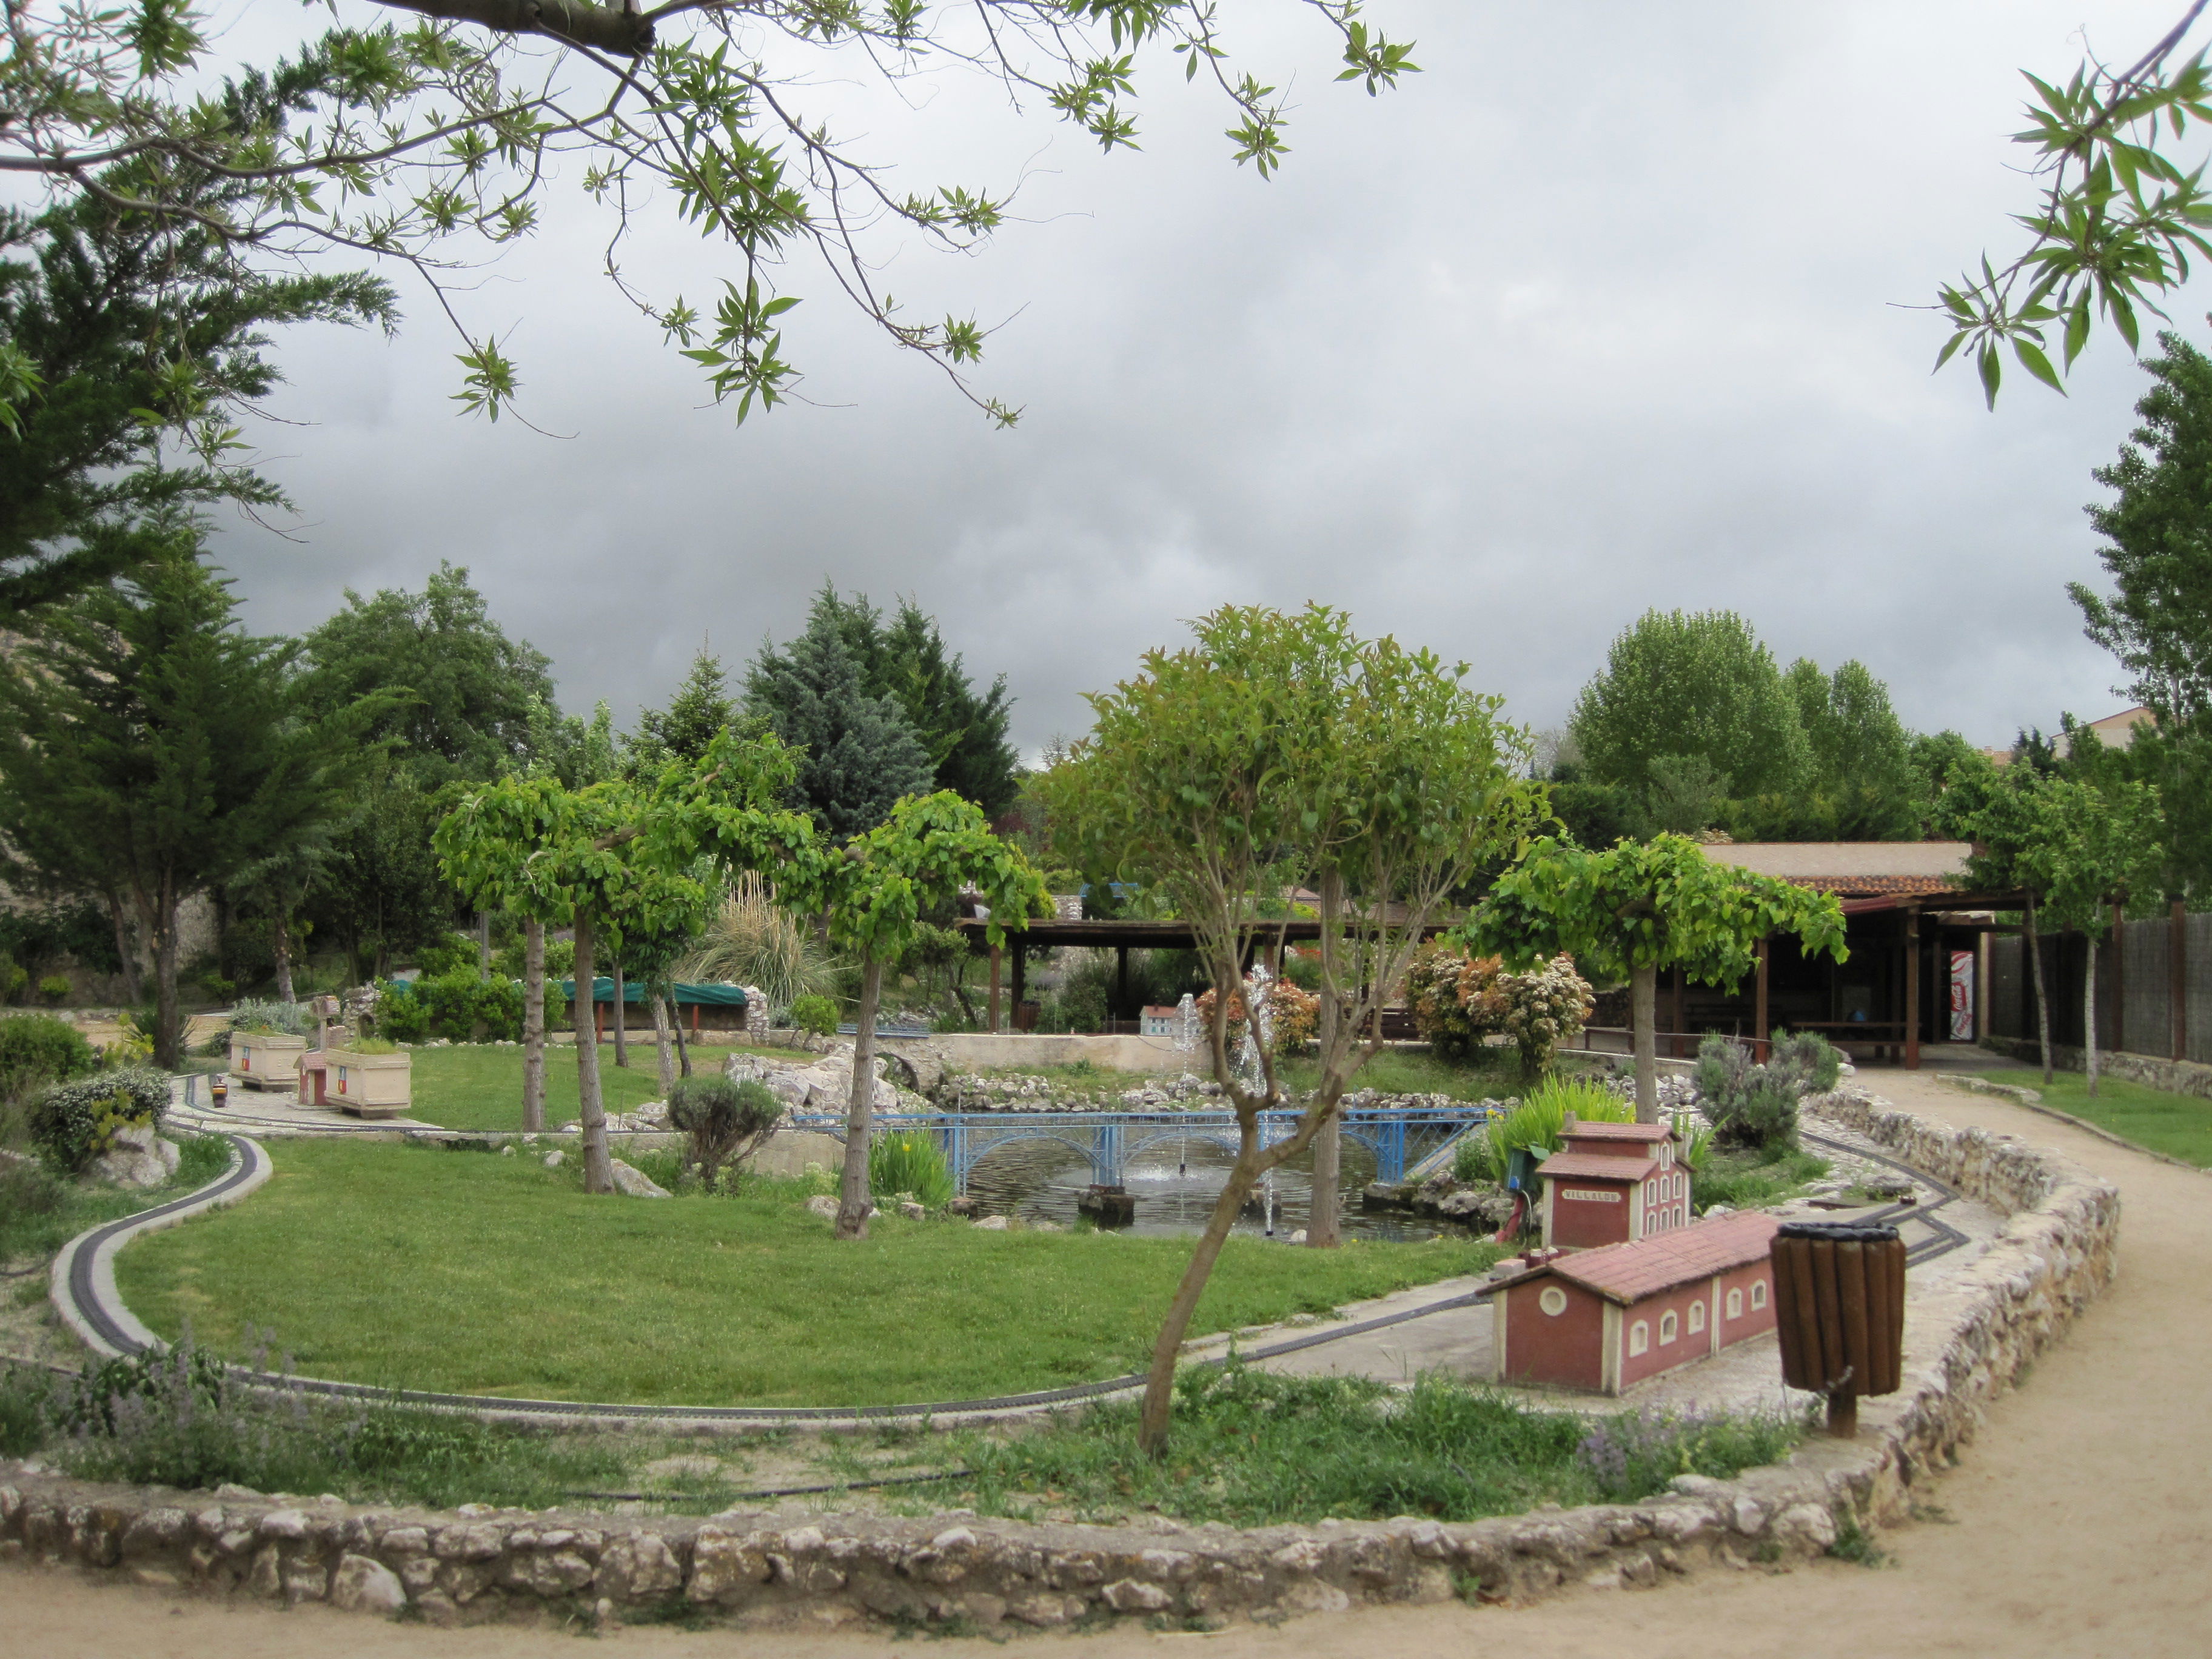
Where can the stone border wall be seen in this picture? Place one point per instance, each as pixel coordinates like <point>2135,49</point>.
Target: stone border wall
<point>1969,1335</point>
<point>2176,1077</point>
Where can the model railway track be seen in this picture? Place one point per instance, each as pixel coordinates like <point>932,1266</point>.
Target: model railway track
<point>84,1290</point>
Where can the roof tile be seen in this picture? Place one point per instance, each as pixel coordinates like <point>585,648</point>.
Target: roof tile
<point>1610,1166</point>
<point>1629,1273</point>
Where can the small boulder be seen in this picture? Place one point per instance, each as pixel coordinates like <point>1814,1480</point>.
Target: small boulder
<point>507,1150</point>
<point>137,1157</point>
<point>362,1584</point>
<point>913,1212</point>
<point>1047,1227</point>
<point>991,1224</point>
<point>823,1205</point>
<point>555,1160</point>
<point>1298,1237</point>
<point>635,1181</point>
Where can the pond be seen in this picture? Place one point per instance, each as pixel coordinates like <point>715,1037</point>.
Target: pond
<point>1176,1187</point>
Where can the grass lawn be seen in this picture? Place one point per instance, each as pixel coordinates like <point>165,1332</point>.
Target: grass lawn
<point>2180,1126</point>
<point>1493,1075</point>
<point>406,1266</point>
<point>480,1087</point>
<point>40,1211</point>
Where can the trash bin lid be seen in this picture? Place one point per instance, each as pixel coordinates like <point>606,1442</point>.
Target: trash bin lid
<point>1838,1232</point>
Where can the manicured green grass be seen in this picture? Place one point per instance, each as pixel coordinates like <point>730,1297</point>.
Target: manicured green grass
<point>1752,1180</point>
<point>2180,1126</point>
<point>480,1087</point>
<point>414,1267</point>
<point>40,1211</point>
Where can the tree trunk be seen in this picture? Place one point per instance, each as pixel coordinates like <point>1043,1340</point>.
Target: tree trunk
<point>662,1043</point>
<point>2089,1015</point>
<point>599,1168</point>
<point>853,1196</point>
<point>1324,1229</point>
<point>168,1045</point>
<point>280,944</point>
<point>126,951</point>
<point>683,1048</point>
<point>622,1030</point>
<point>1643,1015</point>
<point>2042,999</point>
<point>533,1027</point>
<point>1167,1348</point>
<point>484,946</point>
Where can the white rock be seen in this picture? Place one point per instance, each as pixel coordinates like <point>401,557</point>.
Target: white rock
<point>363,1585</point>
<point>1298,1237</point>
<point>991,1224</point>
<point>913,1212</point>
<point>1047,1227</point>
<point>823,1205</point>
<point>507,1150</point>
<point>554,1160</point>
<point>137,1157</point>
<point>633,1182</point>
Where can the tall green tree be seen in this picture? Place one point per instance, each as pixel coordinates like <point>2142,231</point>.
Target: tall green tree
<point>695,715</point>
<point>1635,910</point>
<point>875,891</point>
<point>128,343</point>
<point>150,750</point>
<point>460,695</point>
<point>1859,755</point>
<point>1282,751</point>
<point>2157,546</point>
<point>862,754</point>
<point>2098,847</point>
<point>2006,816</point>
<point>1692,685</point>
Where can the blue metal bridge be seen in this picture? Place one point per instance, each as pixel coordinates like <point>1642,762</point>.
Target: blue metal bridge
<point>1112,1141</point>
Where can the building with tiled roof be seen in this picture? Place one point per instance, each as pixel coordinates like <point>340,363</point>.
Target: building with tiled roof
<point>1604,1320</point>
<point>1611,1182</point>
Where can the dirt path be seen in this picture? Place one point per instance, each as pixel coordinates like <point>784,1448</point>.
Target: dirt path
<point>2078,1527</point>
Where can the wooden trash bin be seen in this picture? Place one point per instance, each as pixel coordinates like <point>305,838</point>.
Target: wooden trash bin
<point>1839,1313</point>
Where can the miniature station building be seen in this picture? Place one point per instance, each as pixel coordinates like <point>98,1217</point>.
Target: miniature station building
<point>1612,1183</point>
<point>1602,1319</point>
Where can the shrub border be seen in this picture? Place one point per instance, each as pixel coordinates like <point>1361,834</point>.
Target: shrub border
<point>1973,1335</point>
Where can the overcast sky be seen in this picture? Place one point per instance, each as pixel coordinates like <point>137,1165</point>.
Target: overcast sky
<point>1600,311</point>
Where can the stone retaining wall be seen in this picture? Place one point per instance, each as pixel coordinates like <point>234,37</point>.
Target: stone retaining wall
<point>1968,1336</point>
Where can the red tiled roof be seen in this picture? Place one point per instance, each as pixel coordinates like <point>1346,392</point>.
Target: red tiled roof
<point>1874,886</point>
<point>1614,1132</point>
<point>1606,1166</point>
<point>1629,1273</point>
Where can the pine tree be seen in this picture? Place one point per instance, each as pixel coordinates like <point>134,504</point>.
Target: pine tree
<point>862,754</point>
<point>701,709</point>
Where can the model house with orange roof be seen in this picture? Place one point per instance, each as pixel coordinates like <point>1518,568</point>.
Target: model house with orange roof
<point>1612,1183</point>
<point>1603,1319</point>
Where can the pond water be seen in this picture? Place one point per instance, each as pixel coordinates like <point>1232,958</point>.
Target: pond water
<point>1176,1187</point>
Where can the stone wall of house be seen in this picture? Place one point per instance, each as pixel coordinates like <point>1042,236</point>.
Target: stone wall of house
<point>1967,1337</point>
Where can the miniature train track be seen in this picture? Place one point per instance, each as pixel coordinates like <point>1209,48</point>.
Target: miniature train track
<point>84,1290</point>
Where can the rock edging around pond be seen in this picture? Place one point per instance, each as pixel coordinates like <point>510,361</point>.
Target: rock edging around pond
<point>1973,1335</point>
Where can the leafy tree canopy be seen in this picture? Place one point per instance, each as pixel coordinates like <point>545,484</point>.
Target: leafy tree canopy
<point>696,714</point>
<point>1692,685</point>
<point>125,344</point>
<point>462,696</point>
<point>429,142</point>
<point>862,753</point>
<point>2157,548</point>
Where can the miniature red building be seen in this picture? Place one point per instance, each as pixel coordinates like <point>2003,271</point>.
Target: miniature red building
<point>1613,1183</point>
<point>1600,1320</point>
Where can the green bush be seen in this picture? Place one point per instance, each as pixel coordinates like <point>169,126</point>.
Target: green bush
<point>73,1123</point>
<point>816,1015</point>
<point>54,989</point>
<point>1756,1106</point>
<point>447,954</point>
<point>455,1005</point>
<point>726,1120</point>
<point>282,1019</point>
<point>37,1049</point>
<point>1537,1122</point>
<point>14,976</point>
<point>910,1162</point>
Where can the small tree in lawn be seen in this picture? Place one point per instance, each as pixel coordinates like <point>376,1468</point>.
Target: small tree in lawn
<point>1638,908</point>
<point>2006,818</point>
<point>1283,749</point>
<point>622,848</point>
<point>2098,847</point>
<point>875,890</point>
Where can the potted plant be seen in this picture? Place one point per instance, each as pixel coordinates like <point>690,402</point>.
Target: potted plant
<point>367,1077</point>
<point>267,1040</point>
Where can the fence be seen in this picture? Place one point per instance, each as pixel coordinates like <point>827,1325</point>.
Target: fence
<point>2138,967</point>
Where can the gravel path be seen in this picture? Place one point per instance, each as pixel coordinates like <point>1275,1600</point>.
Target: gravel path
<point>2076,1527</point>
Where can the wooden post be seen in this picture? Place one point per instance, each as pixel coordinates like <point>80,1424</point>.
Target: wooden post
<point>1912,990</point>
<point>2177,974</point>
<point>2119,980</point>
<point>995,954</point>
<point>1758,1004</point>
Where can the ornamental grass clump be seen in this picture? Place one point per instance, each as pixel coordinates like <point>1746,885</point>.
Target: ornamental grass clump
<point>1536,1124</point>
<point>910,1162</point>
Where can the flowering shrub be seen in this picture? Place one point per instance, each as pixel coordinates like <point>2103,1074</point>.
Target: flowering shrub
<point>1635,1455</point>
<point>1458,999</point>
<point>73,1123</point>
<point>1296,1015</point>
